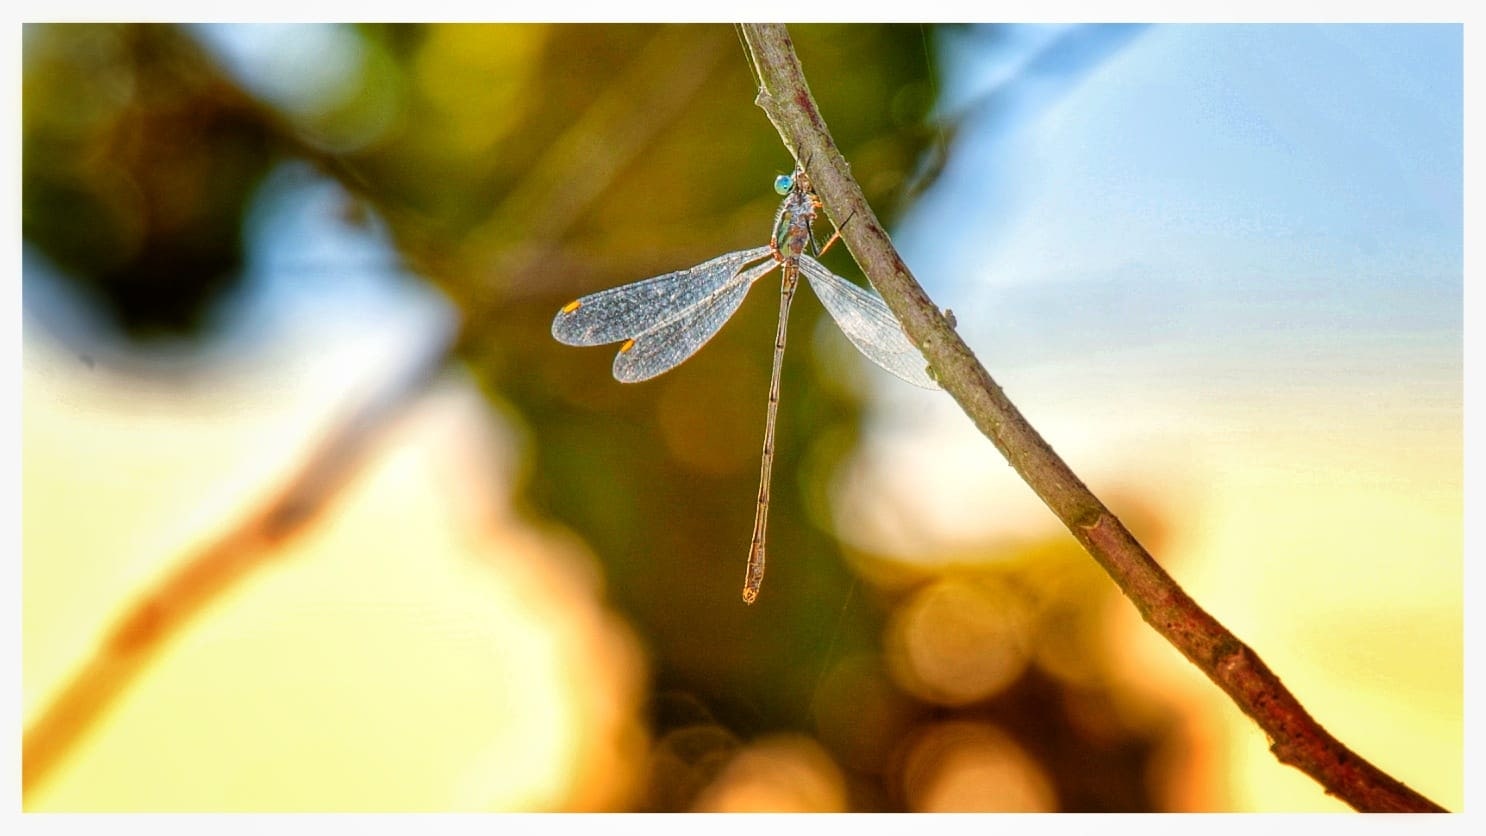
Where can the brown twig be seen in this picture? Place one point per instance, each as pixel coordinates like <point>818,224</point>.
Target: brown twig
<point>165,610</point>
<point>1296,738</point>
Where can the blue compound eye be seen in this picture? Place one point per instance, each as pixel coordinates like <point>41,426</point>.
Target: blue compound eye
<point>783,183</point>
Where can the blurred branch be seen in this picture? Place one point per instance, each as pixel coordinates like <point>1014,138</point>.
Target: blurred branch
<point>546,200</point>
<point>1296,738</point>
<point>203,576</point>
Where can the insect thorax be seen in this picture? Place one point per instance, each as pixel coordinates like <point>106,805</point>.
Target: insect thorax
<point>792,229</point>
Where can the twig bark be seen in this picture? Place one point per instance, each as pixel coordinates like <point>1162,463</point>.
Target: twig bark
<point>1296,738</point>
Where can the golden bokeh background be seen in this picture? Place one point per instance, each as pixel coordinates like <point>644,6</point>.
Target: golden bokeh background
<point>524,593</point>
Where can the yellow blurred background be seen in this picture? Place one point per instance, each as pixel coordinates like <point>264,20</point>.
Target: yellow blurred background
<point>524,597</point>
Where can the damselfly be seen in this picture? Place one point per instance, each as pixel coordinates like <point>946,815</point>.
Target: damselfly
<point>664,320</point>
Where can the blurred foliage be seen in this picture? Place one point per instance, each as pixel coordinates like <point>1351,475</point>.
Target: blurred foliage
<point>137,170</point>
<point>517,167</point>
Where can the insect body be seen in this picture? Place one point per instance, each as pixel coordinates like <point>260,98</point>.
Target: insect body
<point>660,322</point>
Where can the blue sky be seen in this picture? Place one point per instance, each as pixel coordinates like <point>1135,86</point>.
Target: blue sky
<point>1202,182</point>
<point>1202,246</point>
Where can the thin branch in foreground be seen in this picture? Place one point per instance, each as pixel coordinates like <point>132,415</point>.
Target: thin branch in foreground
<point>1296,738</point>
<point>164,611</point>
<point>205,574</point>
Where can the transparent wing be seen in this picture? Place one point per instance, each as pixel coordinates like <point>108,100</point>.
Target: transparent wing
<point>629,310</point>
<point>666,345</point>
<point>867,322</point>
